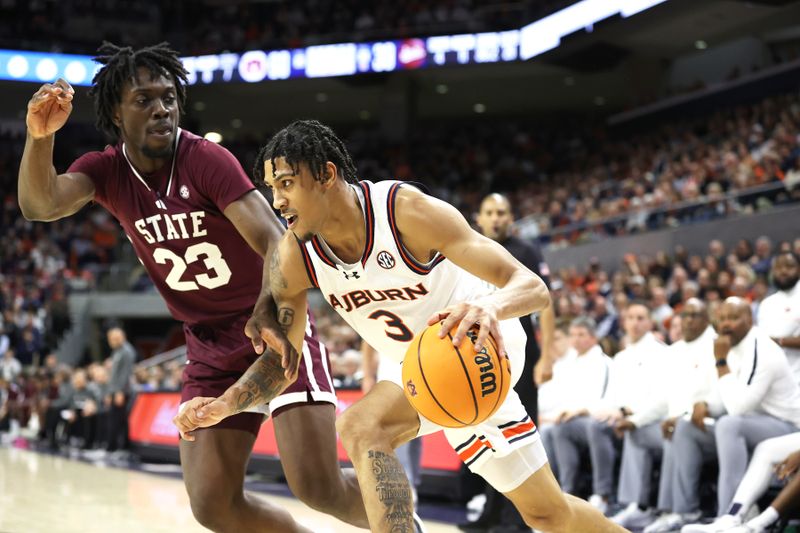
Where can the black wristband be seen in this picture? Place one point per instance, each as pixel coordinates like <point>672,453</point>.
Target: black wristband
<point>721,362</point>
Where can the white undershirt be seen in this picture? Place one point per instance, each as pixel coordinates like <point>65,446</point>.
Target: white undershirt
<point>778,317</point>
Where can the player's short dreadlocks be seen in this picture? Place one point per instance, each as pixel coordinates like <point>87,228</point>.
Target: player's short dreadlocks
<point>309,142</point>
<point>119,67</point>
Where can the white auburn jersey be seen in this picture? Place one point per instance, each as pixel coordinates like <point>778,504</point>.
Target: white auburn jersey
<point>388,296</point>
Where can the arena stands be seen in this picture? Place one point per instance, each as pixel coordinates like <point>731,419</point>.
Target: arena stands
<point>217,26</point>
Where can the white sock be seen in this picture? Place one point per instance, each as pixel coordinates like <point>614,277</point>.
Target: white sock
<point>765,519</point>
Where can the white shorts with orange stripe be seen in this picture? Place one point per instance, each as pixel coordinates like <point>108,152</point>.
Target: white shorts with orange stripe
<point>506,448</point>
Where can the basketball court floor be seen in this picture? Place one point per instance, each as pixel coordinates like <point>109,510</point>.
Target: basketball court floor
<point>46,493</point>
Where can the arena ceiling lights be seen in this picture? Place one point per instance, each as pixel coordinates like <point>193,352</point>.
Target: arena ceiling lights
<point>348,59</point>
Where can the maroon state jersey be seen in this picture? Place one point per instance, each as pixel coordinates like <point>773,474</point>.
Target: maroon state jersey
<point>201,265</point>
<point>204,269</point>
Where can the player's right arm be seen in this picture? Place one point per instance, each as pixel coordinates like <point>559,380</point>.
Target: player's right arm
<point>288,284</point>
<point>43,194</point>
<point>276,368</point>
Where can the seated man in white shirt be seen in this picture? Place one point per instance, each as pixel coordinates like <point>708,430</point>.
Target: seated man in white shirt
<point>691,377</point>
<point>583,380</point>
<point>757,393</point>
<point>551,392</point>
<point>635,396</point>
<point>779,313</point>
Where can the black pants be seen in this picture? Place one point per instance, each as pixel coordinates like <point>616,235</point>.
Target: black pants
<point>101,439</point>
<point>118,426</point>
<point>84,427</point>
<point>51,420</point>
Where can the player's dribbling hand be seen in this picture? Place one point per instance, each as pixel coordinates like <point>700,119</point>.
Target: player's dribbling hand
<point>49,108</point>
<point>199,412</point>
<point>264,331</point>
<point>466,315</point>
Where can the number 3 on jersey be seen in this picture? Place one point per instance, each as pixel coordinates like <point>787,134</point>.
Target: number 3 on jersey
<point>403,334</point>
<point>213,262</point>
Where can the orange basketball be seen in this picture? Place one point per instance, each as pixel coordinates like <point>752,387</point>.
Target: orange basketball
<point>454,386</point>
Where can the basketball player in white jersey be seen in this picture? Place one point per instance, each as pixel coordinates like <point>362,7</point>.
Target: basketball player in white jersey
<point>392,260</point>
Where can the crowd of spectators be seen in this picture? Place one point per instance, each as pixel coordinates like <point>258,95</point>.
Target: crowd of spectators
<point>661,402</point>
<point>246,25</point>
<point>40,264</point>
<point>567,184</point>
<point>664,282</point>
<point>36,397</point>
<point>58,405</point>
<point>573,185</point>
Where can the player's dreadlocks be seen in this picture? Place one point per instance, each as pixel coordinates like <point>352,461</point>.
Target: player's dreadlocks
<point>309,142</point>
<point>119,67</point>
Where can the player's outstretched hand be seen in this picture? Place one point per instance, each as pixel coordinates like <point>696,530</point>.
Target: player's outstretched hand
<point>466,315</point>
<point>200,412</point>
<point>49,108</point>
<point>264,331</point>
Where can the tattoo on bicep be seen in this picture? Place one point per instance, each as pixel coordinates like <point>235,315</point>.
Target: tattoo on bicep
<point>276,278</point>
<point>394,491</point>
<point>262,382</point>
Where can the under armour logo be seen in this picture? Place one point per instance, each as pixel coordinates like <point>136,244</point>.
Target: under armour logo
<point>348,275</point>
<point>412,389</point>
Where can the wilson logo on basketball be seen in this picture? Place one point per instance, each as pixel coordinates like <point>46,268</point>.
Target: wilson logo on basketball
<point>385,260</point>
<point>450,384</point>
<point>485,365</point>
<point>488,379</point>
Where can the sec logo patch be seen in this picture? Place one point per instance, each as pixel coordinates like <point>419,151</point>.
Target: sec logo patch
<point>385,260</point>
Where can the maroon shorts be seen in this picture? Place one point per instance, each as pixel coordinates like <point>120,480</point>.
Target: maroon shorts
<point>216,357</point>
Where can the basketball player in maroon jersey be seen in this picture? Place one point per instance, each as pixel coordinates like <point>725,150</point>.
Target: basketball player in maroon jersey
<point>199,227</point>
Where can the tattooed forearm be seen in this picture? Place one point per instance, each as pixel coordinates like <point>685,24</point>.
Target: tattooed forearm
<point>393,490</point>
<point>285,318</point>
<point>262,382</point>
<point>276,278</point>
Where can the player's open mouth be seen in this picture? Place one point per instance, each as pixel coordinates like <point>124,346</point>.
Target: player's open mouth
<point>161,131</point>
<point>291,220</point>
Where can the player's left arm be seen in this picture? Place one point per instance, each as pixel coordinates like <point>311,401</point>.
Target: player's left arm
<point>256,222</point>
<point>520,291</point>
